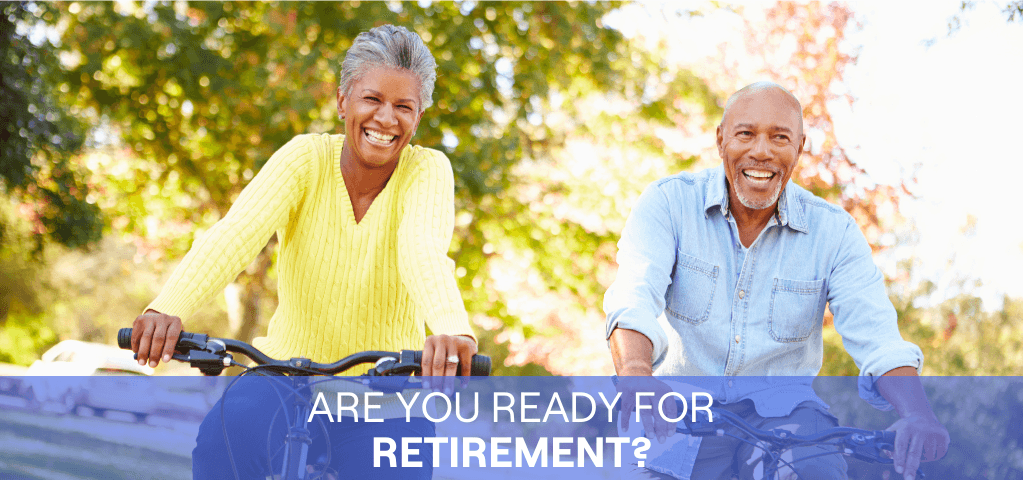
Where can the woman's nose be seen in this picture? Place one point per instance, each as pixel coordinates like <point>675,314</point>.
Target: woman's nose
<point>385,115</point>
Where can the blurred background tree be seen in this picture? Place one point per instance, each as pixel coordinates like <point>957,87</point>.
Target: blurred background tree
<point>40,138</point>
<point>1013,11</point>
<point>48,200</point>
<point>553,120</point>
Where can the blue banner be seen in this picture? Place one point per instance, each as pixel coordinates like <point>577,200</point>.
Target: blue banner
<point>502,427</point>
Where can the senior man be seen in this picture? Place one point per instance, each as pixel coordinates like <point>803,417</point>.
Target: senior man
<point>727,272</point>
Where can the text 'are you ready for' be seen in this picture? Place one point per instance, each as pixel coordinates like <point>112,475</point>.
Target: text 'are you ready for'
<point>526,407</point>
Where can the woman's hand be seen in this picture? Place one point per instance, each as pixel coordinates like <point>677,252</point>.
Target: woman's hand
<point>441,356</point>
<point>154,335</point>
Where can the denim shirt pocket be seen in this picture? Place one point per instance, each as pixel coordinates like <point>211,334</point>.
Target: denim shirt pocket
<point>692,289</point>
<point>795,309</point>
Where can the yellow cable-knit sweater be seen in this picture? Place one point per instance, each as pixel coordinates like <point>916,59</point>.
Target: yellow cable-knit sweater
<point>343,286</point>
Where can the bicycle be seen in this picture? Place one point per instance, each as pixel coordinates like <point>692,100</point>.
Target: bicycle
<point>212,355</point>
<point>872,446</point>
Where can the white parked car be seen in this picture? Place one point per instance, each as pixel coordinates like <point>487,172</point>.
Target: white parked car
<point>84,386</point>
<point>13,389</point>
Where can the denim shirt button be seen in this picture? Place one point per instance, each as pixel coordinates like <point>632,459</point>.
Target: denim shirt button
<point>742,293</point>
<point>731,384</point>
<point>737,338</point>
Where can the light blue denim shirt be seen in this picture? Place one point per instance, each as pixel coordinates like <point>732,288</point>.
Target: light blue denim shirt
<point>712,307</point>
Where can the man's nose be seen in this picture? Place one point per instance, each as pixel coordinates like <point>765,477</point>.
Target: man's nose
<point>761,148</point>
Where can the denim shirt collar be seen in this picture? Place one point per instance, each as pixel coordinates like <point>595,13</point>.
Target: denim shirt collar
<point>790,211</point>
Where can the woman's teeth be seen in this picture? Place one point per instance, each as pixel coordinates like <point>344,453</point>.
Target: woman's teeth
<point>379,138</point>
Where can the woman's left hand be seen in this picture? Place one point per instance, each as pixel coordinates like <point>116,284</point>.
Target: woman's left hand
<point>441,356</point>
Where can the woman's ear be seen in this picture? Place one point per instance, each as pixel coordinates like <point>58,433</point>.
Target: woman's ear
<point>341,103</point>
<point>415,128</point>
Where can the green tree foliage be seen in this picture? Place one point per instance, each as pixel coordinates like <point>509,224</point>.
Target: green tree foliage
<point>38,137</point>
<point>25,328</point>
<point>1013,11</point>
<point>957,336</point>
<point>44,196</point>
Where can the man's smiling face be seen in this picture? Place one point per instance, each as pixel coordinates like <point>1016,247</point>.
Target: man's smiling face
<point>760,140</point>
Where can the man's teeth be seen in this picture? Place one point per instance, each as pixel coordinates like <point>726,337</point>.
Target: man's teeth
<point>758,174</point>
<point>379,136</point>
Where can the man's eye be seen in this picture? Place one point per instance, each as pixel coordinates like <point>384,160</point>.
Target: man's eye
<point>405,107</point>
<point>745,133</point>
<point>783,138</point>
<point>373,99</point>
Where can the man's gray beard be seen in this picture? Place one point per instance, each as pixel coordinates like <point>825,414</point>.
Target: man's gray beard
<point>748,203</point>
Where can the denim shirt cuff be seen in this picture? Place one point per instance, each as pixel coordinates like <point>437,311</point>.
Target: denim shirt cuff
<point>868,392</point>
<point>901,354</point>
<point>867,386</point>
<point>653,333</point>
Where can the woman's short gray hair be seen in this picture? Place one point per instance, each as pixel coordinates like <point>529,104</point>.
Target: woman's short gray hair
<point>395,47</point>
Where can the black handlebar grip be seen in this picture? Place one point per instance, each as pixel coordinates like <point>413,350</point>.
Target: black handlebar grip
<point>124,337</point>
<point>480,364</point>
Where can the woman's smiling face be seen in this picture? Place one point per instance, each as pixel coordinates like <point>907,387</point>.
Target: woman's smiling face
<point>381,114</point>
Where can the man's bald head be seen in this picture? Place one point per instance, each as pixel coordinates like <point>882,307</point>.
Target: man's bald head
<point>759,87</point>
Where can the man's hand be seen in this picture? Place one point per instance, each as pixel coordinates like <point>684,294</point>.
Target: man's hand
<point>441,356</point>
<point>653,423</point>
<point>154,335</point>
<point>918,433</point>
<point>918,438</point>
<point>632,353</point>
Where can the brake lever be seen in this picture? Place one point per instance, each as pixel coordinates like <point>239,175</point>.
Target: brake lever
<point>387,384</point>
<point>866,448</point>
<point>186,345</point>
<point>405,365</point>
<point>210,364</point>
<point>869,449</point>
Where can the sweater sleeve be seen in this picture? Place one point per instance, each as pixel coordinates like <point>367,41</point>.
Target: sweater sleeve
<point>264,206</point>
<point>424,237</point>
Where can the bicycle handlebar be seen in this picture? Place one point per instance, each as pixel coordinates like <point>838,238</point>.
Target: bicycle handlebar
<point>883,438</point>
<point>866,445</point>
<point>210,355</point>
<point>874,446</point>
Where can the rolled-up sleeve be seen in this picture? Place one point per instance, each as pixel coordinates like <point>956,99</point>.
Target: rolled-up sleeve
<point>646,255</point>
<point>865,317</point>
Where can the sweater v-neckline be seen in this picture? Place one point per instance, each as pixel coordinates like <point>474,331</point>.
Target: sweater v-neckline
<point>346,199</point>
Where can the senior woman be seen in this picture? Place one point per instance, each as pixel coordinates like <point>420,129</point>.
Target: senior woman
<point>364,222</point>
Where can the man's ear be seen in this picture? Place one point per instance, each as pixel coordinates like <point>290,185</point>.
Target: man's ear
<point>802,145</point>
<point>720,142</point>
